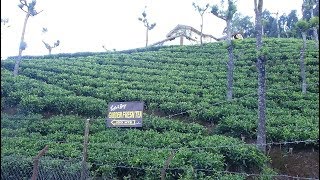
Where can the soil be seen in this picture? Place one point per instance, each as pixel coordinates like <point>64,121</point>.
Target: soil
<point>299,162</point>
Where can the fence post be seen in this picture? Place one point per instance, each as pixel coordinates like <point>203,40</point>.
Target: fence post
<point>36,163</point>
<point>85,151</point>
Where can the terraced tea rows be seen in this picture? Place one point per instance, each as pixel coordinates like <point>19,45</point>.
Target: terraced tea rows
<point>189,81</point>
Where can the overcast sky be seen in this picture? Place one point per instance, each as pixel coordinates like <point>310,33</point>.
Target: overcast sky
<point>86,25</point>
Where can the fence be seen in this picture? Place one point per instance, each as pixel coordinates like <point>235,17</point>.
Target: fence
<point>20,168</point>
<point>42,167</point>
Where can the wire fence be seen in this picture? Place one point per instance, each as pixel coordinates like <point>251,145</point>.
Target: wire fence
<point>21,168</point>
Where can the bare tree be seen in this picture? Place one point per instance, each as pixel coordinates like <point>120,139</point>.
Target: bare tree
<point>47,45</point>
<point>201,11</point>
<point>4,25</point>
<point>261,66</point>
<point>29,9</point>
<point>105,48</point>
<point>303,27</point>
<point>227,16</point>
<point>146,24</point>
<point>4,22</point>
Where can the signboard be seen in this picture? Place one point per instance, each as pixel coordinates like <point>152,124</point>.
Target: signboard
<point>125,114</point>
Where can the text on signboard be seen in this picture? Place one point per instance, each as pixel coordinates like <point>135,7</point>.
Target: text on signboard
<point>125,114</point>
<point>119,106</point>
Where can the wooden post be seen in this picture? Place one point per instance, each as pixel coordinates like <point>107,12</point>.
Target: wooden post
<point>85,151</point>
<point>36,162</point>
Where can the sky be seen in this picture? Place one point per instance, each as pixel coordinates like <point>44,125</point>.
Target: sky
<point>87,25</point>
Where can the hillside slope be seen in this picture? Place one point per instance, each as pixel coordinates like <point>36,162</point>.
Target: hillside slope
<point>179,80</point>
<point>188,82</point>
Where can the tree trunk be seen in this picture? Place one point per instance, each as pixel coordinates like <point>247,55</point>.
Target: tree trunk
<point>315,33</point>
<point>147,31</point>
<point>302,65</point>
<point>261,61</point>
<point>316,37</point>
<point>181,40</point>
<point>230,63</point>
<point>18,60</point>
<point>261,136</point>
<point>278,28</point>
<point>201,34</point>
<point>50,51</point>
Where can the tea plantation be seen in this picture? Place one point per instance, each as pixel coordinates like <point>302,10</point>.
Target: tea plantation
<point>182,87</point>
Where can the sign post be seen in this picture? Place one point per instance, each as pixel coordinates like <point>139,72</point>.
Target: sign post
<point>125,114</point>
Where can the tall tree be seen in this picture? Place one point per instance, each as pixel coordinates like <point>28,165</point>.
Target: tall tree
<point>314,24</point>
<point>47,45</point>
<point>287,24</point>
<point>303,27</point>
<point>276,22</point>
<point>269,24</point>
<point>283,26</point>
<point>308,8</point>
<point>227,16</point>
<point>201,11</point>
<point>316,9</point>
<point>29,9</point>
<point>292,20</point>
<point>243,24</point>
<point>261,66</point>
<point>146,24</point>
